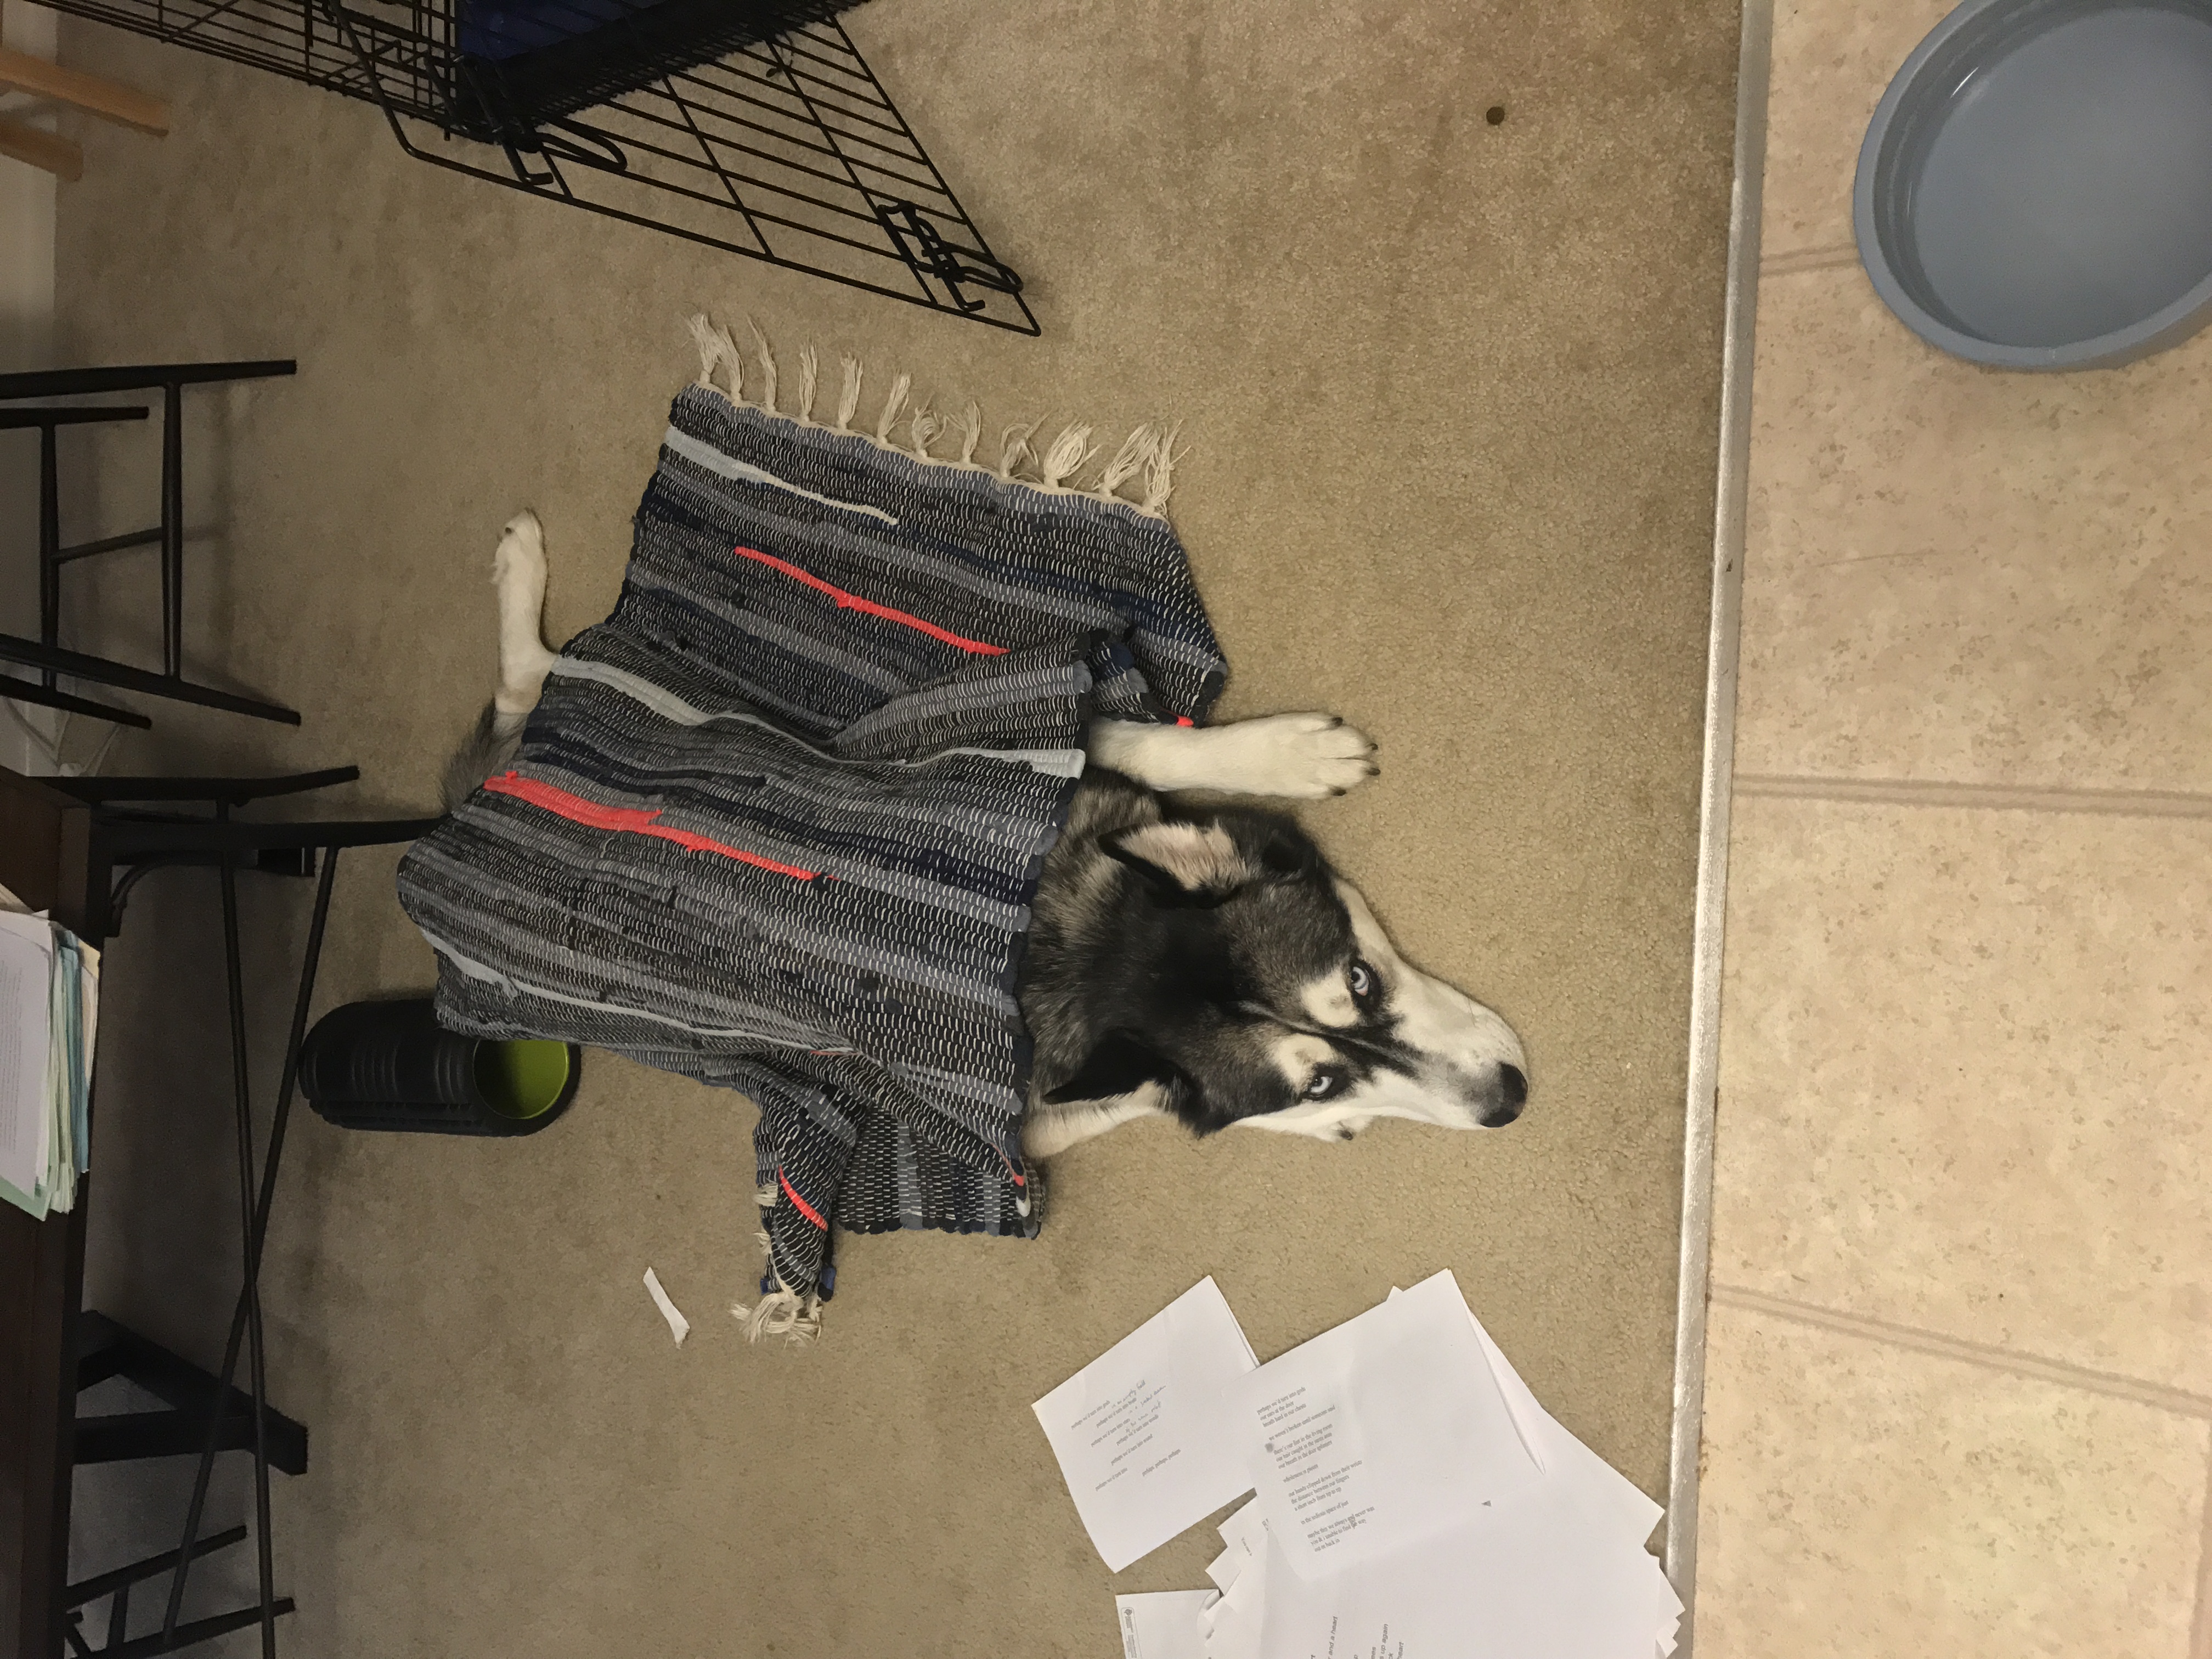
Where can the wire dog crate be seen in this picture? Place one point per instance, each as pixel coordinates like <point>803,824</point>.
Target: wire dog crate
<point>673,114</point>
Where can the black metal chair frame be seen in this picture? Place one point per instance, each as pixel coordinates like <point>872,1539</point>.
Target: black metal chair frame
<point>44,654</point>
<point>135,827</point>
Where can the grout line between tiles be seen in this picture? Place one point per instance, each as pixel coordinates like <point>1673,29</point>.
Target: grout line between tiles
<point>2200,1620</point>
<point>1793,260</point>
<point>1739,310</point>
<point>2157,1395</point>
<point>1910,792</point>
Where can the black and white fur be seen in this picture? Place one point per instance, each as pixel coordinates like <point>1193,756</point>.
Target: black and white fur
<point>1202,963</point>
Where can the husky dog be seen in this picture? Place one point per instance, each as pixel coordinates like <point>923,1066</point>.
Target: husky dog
<point>1204,962</point>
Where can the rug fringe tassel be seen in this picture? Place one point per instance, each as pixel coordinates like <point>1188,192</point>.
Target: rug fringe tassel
<point>808,368</point>
<point>782,1311</point>
<point>767,367</point>
<point>892,405</point>
<point>1160,470</point>
<point>1066,458</point>
<point>1013,445</point>
<point>716,347</point>
<point>848,400</point>
<point>1135,450</point>
<point>1139,474</point>
<point>922,429</point>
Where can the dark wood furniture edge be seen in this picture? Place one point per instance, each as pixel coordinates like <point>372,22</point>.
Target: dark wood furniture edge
<point>46,861</point>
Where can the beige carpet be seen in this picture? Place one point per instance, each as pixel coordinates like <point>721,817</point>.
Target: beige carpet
<point>1450,391</point>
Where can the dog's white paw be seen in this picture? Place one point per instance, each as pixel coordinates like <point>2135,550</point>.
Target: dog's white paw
<point>520,559</point>
<point>1304,756</point>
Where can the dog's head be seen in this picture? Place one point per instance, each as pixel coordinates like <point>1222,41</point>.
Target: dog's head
<point>1257,987</point>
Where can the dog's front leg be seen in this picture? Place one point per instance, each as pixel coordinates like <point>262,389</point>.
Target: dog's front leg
<point>518,571</point>
<point>1304,757</point>
<point>1051,1130</point>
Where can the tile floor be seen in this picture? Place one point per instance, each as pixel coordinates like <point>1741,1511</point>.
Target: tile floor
<point>1960,1368</point>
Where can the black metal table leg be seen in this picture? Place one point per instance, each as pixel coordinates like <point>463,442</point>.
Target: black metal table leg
<point>45,696</point>
<point>189,1399</point>
<point>119,1582</point>
<point>50,547</point>
<point>169,1640</point>
<point>32,654</point>
<point>134,377</point>
<point>45,655</point>
<point>48,422</point>
<point>173,529</point>
<point>236,791</point>
<point>256,1363</point>
<point>134,838</point>
<point>248,1311</point>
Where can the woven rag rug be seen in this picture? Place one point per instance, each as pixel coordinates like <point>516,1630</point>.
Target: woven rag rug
<point>776,824</point>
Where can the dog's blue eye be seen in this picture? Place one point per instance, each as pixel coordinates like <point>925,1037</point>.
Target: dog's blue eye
<point>1363,984</point>
<point>1323,1083</point>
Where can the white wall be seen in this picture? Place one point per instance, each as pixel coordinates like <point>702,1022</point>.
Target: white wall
<point>26,328</point>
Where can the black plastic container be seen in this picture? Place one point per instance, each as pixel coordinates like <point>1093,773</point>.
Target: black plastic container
<point>390,1066</point>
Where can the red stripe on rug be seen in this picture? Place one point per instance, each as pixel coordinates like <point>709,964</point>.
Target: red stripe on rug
<point>855,602</point>
<point>805,1209</point>
<point>632,820</point>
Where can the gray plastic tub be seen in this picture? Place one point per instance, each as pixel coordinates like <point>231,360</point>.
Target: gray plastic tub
<point>2035,190</point>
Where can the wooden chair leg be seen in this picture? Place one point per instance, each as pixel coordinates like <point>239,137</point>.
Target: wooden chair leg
<point>48,151</point>
<point>124,105</point>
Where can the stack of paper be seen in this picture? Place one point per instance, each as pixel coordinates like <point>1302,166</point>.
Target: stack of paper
<point>1413,1502</point>
<point>49,1011</point>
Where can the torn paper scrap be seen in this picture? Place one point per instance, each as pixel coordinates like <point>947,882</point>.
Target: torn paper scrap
<point>1142,1433</point>
<point>678,1326</point>
<point>1163,1623</point>
<point>1245,1536</point>
<point>1234,1626</point>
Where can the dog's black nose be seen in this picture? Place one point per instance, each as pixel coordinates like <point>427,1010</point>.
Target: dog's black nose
<point>1512,1096</point>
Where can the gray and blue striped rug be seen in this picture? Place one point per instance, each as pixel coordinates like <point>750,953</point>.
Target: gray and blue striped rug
<point>776,823</point>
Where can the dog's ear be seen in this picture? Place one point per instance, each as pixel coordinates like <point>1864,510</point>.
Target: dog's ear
<point>1288,854</point>
<point>1183,863</point>
<point>1120,1063</point>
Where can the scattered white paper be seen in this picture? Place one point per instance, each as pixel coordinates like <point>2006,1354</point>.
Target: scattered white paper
<point>1560,1569</point>
<point>1384,1432</point>
<point>1525,1577</point>
<point>1142,1433</point>
<point>27,971</point>
<point>1435,1510</point>
<point>678,1326</point>
<point>1163,1624</point>
<point>1609,1494</point>
<point>1246,1535</point>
